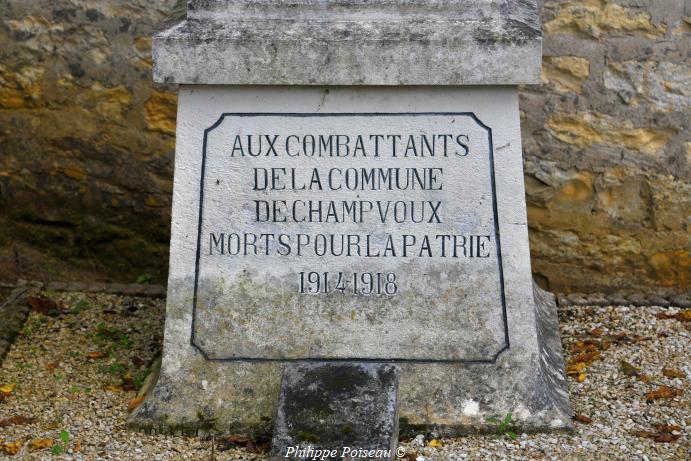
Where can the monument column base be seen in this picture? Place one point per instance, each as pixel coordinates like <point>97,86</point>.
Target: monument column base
<point>449,399</point>
<point>349,188</point>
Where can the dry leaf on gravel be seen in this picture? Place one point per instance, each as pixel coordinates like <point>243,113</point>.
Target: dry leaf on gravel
<point>97,355</point>
<point>596,331</point>
<point>683,316</point>
<point>41,304</point>
<point>40,444</point>
<point>7,388</point>
<point>585,346</point>
<point>575,369</point>
<point>664,433</point>
<point>112,388</point>
<point>17,421</point>
<point>586,357</point>
<point>667,428</point>
<point>435,443</point>
<point>663,392</point>
<point>673,373</point>
<point>628,369</point>
<point>582,419</point>
<point>135,402</point>
<point>11,448</point>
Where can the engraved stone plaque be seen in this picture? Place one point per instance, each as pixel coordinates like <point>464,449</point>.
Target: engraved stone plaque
<point>349,235</point>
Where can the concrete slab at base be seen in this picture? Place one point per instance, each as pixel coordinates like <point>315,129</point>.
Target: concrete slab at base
<point>340,410</point>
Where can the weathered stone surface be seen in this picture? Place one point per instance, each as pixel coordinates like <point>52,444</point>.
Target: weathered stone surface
<point>352,42</point>
<point>198,390</point>
<point>345,408</point>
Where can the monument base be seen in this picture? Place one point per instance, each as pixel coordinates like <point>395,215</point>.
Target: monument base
<point>200,397</point>
<point>344,410</point>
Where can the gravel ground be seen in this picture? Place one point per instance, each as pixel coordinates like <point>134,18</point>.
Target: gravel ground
<point>76,367</point>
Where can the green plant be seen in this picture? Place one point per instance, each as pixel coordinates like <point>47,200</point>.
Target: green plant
<point>139,378</point>
<point>502,426</point>
<point>144,279</point>
<point>79,306</point>
<point>59,448</point>
<point>116,335</point>
<point>116,369</point>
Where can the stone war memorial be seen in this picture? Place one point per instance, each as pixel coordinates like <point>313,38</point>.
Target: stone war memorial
<point>349,251</point>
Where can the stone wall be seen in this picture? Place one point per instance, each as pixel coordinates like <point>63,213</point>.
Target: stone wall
<point>86,144</point>
<point>607,148</point>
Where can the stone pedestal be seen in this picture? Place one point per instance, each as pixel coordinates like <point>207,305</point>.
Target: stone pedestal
<point>343,410</point>
<point>440,286</point>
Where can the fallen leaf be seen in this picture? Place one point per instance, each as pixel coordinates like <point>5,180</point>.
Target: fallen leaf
<point>11,448</point>
<point>596,331</point>
<point>582,419</point>
<point>232,441</point>
<point>619,337</point>
<point>128,383</point>
<point>249,446</point>
<point>17,421</point>
<point>666,437</point>
<point>575,369</point>
<point>584,346</point>
<point>644,434</point>
<point>673,373</point>
<point>663,392</point>
<point>41,304</point>
<point>112,388</point>
<point>51,366</point>
<point>8,388</point>
<point>40,444</point>
<point>435,443</point>
<point>581,378</point>
<point>664,434</point>
<point>644,378</point>
<point>77,446</point>
<point>135,402</point>
<point>97,355</point>
<point>237,439</point>
<point>683,316</point>
<point>586,357</point>
<point>667,428</point>
<point>628,369</point>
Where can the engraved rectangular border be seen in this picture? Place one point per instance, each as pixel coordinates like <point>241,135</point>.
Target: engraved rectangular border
<point>471,115</point>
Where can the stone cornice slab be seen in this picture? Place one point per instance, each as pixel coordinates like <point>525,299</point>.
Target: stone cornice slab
<point>352,42</point>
